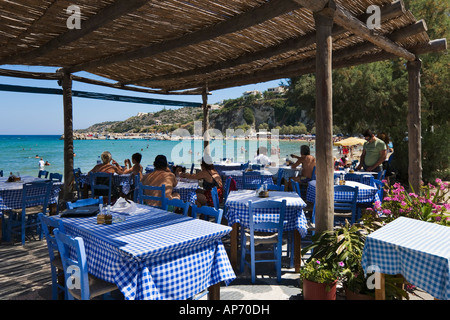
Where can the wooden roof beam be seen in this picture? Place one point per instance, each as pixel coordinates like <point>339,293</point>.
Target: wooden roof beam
<point>103,17</point>
<point>346,20</point>
<point>242,21</point>
<point>388,12</point>
<point>305,67</point>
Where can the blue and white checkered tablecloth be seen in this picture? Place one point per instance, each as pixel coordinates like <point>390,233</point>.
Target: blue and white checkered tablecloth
<point>125,181</point>
<point>237,175</point>
<point>155,254</point>
<point>11,192</point>
<point>185,189</point>
<point>237,210</point>
<point>418,250</point>
<point>220,167</point>
<point>366,193</point>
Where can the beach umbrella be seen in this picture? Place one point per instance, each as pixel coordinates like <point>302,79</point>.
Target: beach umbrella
<point>350,142</point>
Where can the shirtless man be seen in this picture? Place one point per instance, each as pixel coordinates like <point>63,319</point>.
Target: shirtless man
<point>308,163</point>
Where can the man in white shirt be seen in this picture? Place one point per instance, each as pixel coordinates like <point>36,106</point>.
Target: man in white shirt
<point>261,157</point>
<point>41,164</point>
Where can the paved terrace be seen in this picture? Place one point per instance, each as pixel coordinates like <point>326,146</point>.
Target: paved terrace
<point>25,275</point>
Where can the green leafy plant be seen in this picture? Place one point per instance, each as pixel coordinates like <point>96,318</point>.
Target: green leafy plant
<point>429,204</point>
<point>321,272</point>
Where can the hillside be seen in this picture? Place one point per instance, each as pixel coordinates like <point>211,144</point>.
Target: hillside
<point>250,112</point>
<point>161,121</point>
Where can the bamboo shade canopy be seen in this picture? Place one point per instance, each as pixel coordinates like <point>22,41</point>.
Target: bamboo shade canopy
<point>173,45</point>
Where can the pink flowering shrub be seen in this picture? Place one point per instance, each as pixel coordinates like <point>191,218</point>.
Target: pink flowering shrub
<point>429,204</point>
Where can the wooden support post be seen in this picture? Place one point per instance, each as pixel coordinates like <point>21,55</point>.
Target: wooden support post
<point>205,107</point>
<point>380,289</point>
<point>68,136</point>
<point>324,122</point>
<point>414,125</point>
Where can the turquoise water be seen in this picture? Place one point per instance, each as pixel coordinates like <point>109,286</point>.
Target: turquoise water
<point>18,153</point>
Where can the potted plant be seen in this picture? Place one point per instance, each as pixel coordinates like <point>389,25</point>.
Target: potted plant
<point>320,279</point>
<point>342,246</point>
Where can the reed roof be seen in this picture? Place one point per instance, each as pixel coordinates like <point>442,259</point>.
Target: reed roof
<point>173,45</point>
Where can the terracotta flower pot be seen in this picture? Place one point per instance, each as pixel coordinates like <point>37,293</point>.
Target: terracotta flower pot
<point>318,291</point>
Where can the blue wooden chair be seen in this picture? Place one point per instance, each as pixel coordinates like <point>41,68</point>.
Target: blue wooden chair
<point>55,177</point>
<point>84,202</point>
<point>381,175</point>
<point>344,208</point>
<point>280,176</point>
<point>87,286</point>
<point>142,196</point>
<point>207,212</point>
<point>244,166</point>
<point>56,267</point>
<point>252,180</point>
<point>274,187</point>
<point>226,189</point>
<point>101,184</point>
<point>35,198</point>
<point>256,166</point>
<point>43,173</point>
<point>313,176</point>
<point>296,187</point>
<point>215,197</point>
<point>192,169</point>
<point>252,237</point>
<point>170,205</point>
<point>77,183</point>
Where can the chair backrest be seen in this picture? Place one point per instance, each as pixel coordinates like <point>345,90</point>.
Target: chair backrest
<point>346,203</point>
<point>244,166</point>
<point>176,203</point>
<point>252,180</point>
<point>36,193</point>
<point>57,177</point>
<point>207,212</point>
<point>76,266</point>
<point>101,181</point>
<point>226,189</point>
<point>143,196</point>
<point>380,186</point>
<point>296,187</point>
<point>313,176</point>
<point>381,175</point>
<point>192,169</point>
<point>264,224</point>
<point>215,197</point>
<point>46,224</point>
<point>84,202</point>
<point>273,187</point>
<point>256,166</point>
<point>280,176</point>
<point>43,173</point>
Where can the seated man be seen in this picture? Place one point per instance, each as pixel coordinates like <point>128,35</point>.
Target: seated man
<point>308,163</point>
<point>261,156</point>
<point>161,175</point>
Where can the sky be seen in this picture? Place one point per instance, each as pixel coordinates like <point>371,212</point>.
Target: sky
<point>34,114</point>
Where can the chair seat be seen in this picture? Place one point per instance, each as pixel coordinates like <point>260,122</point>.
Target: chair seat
<point>262,237</point>
<point>97,287</point>
<point>29,210</point>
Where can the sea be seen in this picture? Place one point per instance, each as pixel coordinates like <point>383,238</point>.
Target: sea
<point>20,154</point>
